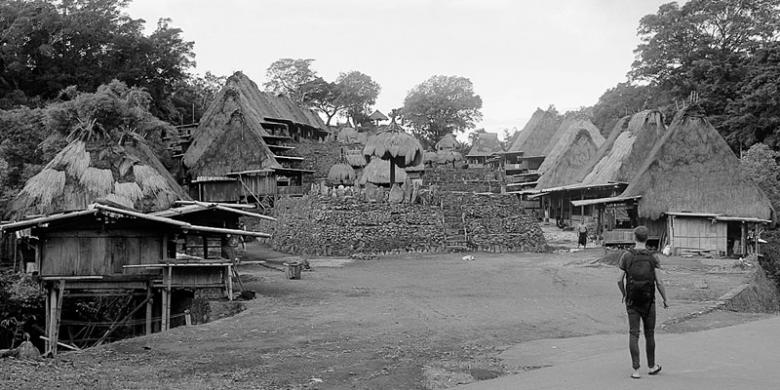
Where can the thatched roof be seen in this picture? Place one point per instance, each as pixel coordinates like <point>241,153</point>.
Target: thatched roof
<point>537,134</point>
<point>692,169</point>
<point>448,142</point>
<point>396,144</point>
<point>378,172</point>
<point>347,135</point>
<point>378,116</point>
<point>126,174</point>
<point>565,137</point>
<point>448,156</point>
<point>627,148</point>
<point>230,135</point>
<point>341,173</point>
<point>355,158</point>
<point>486,144</point>
<point>565,169</point>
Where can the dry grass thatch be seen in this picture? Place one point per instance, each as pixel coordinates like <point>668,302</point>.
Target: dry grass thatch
<point>378,116</point>
<point>378,172</point>
<point>229,137</point>
<point>535,136</point>
<point>566,168</point>
<point>146,186</point>
<point>341,174</point>
<point>396,144</point>
<point>355,159</point>
<point>565,136</point>
<point>692,169</point>
<point>486,144</point>
<point>430,157</point>
<point>347,135</point>
<point>448,156</point>
<point>448,142</point>
<point>626,149</point>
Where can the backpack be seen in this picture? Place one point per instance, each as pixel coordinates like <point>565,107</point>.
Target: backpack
<point>640,275</point>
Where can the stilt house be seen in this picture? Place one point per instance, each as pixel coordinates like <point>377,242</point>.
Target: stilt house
<point>243,148</point>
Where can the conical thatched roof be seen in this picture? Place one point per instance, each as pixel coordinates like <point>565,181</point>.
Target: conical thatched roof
<point>396,144</point>
<point>486,144</point>
<point>448,142</point>
<point>627,148</point>
<point>355,158</point>
<point>230,135</point>
<point>126,174</point>
<point>430,157</point>
<point>565,136</point>
<point>378,172</point>
<point>566,168</point>
<point>347,135</point>
<point>537,134</point>
<point>378,116</point>
<point>692,169</point>
<point>341,173</point>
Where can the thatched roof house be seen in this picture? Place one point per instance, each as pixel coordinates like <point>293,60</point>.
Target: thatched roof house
<point>692,170</point>
<point>566,168</point>
<point>537,134</point>
<point>378,116</point>
<point>448,142</point>
<point>627,148</point>
<point>564,138</point>
<point>233,133</point>
<point>485,145</point>
<point>126,173</point>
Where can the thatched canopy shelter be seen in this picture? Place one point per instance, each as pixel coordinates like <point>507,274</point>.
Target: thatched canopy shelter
<point>395,145</point>
<point>566,168</point>
<point>355,158</point>
<point>692,169</point>
<point>485,145</point>
<point>341,173</point>
<point>626,149</point>
<point>378,172</point>
<point>347,135</point>
<point>430,157</point>
<point>448,156</point>
<point>565,136</point>
<point>448,142</point>
<point>125,173</point>
<point>537,134</point>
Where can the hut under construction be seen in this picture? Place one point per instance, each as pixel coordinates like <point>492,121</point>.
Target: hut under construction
<point>689,192</point>
<point>243,148</point>
<point>93,214</point>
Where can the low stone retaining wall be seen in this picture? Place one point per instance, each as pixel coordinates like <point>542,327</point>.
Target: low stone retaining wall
<point>756,295</point>
<point>315,225</point>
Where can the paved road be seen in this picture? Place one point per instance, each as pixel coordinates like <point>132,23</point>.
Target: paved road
<point>739,357</point>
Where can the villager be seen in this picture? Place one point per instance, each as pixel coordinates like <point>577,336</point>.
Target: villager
<point>582,232</point>
<point>639,270</point>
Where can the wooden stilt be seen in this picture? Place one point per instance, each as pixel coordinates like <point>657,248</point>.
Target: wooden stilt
<point>743,239</point>
<point>149,305</point>
<point>230,282</point>
<point>168,304</point>
<point>47,333</point>
<point>163,309</point>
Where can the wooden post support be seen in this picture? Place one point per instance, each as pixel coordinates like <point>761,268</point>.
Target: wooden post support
<point>149,304</point>
<point>163,309</point>
<point>230,282</point>
<point>743,239</point>
<point>170,294</point>
<point>47,333</point>
<point>187,318</point>
<point>56,296</point>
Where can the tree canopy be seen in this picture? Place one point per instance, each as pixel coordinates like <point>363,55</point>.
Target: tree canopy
<point>47,46</point>
<point>723,51</point>
<point>351,95</point>
<point>441,105</point>
<point>759,164</point>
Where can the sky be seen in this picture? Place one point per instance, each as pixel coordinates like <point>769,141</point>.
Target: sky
<point>520,55</point>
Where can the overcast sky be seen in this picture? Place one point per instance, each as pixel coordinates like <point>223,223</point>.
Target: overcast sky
<point>520,55</point>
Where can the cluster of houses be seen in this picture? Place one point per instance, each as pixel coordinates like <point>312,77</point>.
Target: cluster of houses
<point>107,219</point>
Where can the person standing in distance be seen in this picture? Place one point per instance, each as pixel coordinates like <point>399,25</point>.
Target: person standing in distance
<point>639,278</point>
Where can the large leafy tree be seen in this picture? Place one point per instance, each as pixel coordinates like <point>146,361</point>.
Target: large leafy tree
<point>192,96</point>
<point>294,78</point>
<point>759,164</point>
<point>352,95</point>
<point>46,46</point>
<point>441,105</point>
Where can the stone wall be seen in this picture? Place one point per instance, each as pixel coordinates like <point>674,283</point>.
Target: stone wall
<point>756,295</point>
<point>318,156</point>
<point>315,225</point>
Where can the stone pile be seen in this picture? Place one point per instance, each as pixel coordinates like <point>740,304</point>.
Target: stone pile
<point>465,180</point>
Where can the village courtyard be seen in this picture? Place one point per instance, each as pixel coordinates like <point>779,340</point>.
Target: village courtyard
<point>411,321</point>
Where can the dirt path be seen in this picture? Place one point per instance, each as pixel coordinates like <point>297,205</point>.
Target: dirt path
<point>403,322</point>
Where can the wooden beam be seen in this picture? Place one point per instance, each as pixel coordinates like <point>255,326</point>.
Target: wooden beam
<point>46,219</point>
<point>136,214</point>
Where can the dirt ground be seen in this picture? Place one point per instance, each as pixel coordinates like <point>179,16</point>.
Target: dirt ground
<point>400,322</point>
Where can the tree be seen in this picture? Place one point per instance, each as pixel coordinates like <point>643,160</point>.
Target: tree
<point>440,105</point>
<point>48,46</point>
<point>192,96</point>
<point>759,164</point>
<point>352,94</point>
<point>294,78</point>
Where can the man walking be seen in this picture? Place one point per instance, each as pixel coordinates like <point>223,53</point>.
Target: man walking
<point>639,278</point>
<point>582,235</point>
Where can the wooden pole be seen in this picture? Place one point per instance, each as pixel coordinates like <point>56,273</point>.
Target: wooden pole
<point>170,294</point>
<point>47,346</point>
<point>57,297</point>
<point>743,239</point>
<point>149,305</point>
<point>229,283</point>
<point>392,173</point>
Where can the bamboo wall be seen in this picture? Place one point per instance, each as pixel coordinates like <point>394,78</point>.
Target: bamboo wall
<point>699,234</point>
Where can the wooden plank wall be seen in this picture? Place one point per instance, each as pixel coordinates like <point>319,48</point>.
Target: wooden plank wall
<point>699,234</point>
<point>89,253</point>
<point>220,191</point>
